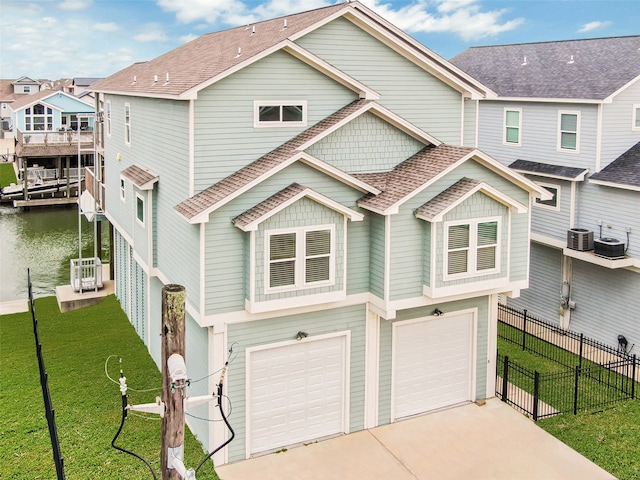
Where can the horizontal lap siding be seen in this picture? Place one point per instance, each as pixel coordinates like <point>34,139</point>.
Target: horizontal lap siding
<point>470,117</point>
<point>264,332</point>
<point>165,155</point>
<point>405,88</point>
<point>226,257</point>
<point>377,257</point>
<point>481,342</point>
<point>196,354</point>
<point>607,303</point>
<point>554,223</point>
<point>617,133</point>
<point>616,208</point>
<point>366,144</point>
<point>539,133</point>
<point>542,298</point>
<point>226,139</point>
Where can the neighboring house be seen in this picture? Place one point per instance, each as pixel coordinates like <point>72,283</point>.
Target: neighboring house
<point>568,117</point>
<point>80,86</point>
<point>313,183</point>
<point>12,90</point>
<point>47,126</point>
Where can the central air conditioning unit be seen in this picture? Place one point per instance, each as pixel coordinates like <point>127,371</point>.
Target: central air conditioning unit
<point>580,239</point>
<point>610,248</point>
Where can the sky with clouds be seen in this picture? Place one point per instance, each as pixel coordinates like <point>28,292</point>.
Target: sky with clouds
<point>96,38</point>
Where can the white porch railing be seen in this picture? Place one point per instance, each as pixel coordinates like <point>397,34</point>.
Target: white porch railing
<point>86,273</point>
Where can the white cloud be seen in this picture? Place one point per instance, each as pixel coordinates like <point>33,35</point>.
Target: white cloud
<point>151,32</point>
<point>589,27</point>
<point>463,18</point>
<point>106,27</point>
<point>75,4</point>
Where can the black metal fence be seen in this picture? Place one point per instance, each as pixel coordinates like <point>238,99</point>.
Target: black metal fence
<point>596,375</point>
<point>48,408</point>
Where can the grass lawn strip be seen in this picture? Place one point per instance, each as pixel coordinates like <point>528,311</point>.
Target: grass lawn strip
<point>7,175</point>
<point>87,404</point>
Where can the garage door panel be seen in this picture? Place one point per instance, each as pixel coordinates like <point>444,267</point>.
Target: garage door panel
<point>296,392</point>
<point>432,364</point>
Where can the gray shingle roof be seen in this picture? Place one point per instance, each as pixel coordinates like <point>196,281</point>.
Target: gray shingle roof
<point>599,68</point>
<point>624,170</point>
<point>410,175</point>
<point>546,169</point>
<point>447,198</point>
<point>140,177</point>
<point>237,180</point>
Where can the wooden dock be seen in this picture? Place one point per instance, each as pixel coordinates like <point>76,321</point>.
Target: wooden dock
<point>45,202</point>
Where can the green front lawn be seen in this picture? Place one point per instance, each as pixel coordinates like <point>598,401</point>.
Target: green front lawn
<point>7,175</point>
<point>87,404</point>
<point>609,437</point>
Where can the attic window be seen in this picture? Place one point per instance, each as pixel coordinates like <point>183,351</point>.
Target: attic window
<point>636,117</point>
<point>280,113</point>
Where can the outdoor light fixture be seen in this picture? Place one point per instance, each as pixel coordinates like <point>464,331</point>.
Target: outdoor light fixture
<point>301,335</point>
<point>177,367</point>
<point>437,312</point>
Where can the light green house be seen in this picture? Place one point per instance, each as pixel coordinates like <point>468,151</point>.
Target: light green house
<point>313,182</point>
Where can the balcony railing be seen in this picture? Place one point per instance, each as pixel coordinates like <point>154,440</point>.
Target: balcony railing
<point>90,186</point>
<point>86,274</point>
<point>66,137</point>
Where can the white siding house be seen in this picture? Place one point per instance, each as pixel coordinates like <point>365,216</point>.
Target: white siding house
<point>567,116</point>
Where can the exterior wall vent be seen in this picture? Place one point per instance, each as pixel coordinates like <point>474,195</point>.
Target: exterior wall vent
<point>610,248</point>
<point>580,239</point>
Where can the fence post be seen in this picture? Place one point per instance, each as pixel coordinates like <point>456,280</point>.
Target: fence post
<point>575,392</point>
<point>633,376</point>
<point>505,379</point>
<point>524,329</point>
<point>536,393</point>
<point>581,347</point>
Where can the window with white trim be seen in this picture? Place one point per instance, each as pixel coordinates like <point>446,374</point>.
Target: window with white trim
<point>636,118</point>
<point>107,117</point>
<point>26,89</point>
<point>512,126</point>
<point>472,248</point>
<point>568,131</point>
<point>280,113</point>
<point>300,258</point>
<point>38,118</point>
<point>122,189</point>
<point>554,202</point>
<point>140,208</point>
<point>127,124</point>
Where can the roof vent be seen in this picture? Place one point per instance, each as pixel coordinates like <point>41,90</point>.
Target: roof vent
<point>253,30</point>
<point>135,79</point>
<point>571,60</point>
<point>239,52</point>
<point>166,79</point>
<point>524,62</point>
<point>285,24</point>
<point>155,79</point>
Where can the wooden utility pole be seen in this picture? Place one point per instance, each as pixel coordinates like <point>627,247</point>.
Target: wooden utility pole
<point>173,341</point>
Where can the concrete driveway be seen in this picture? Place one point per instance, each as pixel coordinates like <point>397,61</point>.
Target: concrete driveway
<point>468,442</point>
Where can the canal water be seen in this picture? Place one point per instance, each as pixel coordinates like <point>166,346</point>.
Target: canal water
<point>44,240</point>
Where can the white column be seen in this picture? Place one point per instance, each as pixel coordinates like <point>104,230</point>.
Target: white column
<point>372,369</point>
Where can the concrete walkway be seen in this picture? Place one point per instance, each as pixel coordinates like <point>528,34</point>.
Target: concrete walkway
<point>14,306</point>
<point>469,442</point>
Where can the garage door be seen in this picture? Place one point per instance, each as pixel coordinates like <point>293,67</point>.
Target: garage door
<point>432,363</point>
<point>296,392</point>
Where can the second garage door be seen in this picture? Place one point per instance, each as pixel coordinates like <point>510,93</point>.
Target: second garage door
<point>296,392</point>
<point>432,363</point>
